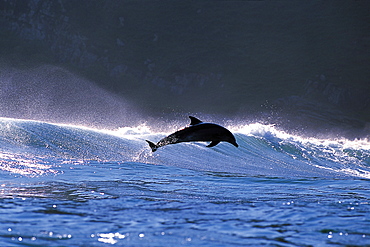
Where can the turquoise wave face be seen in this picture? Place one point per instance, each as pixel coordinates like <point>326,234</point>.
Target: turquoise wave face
<point>263,151</point>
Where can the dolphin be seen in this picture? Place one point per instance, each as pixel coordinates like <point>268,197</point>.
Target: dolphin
<point>197,131</point>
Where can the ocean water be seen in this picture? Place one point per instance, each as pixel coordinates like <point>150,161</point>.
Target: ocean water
<point>64,185</point>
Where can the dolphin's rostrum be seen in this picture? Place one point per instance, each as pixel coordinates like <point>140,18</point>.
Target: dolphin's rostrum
<point>197,131</point>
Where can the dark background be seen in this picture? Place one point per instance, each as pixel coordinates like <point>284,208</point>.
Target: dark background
<point>303,65</point>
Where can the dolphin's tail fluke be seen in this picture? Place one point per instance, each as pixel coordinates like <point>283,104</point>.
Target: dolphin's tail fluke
<point>152,146</point>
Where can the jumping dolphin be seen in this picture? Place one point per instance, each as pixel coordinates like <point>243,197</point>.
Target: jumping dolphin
<point>197,131</point>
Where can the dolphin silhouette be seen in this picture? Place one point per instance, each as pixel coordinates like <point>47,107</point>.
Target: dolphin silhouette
<point>197,131</point>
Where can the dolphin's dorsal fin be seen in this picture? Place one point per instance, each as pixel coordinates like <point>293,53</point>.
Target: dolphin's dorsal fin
<point>194,120</point>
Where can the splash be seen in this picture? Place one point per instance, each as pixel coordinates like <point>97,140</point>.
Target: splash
<point>345,156</point>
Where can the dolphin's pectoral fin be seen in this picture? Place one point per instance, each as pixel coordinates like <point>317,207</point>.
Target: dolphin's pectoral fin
<point>194,120</point>
<point>213,143</point>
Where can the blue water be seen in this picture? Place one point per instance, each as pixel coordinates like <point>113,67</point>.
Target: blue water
<point>72,186</point>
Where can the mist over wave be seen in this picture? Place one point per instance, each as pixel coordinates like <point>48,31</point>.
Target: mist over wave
<point>51,93</point>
